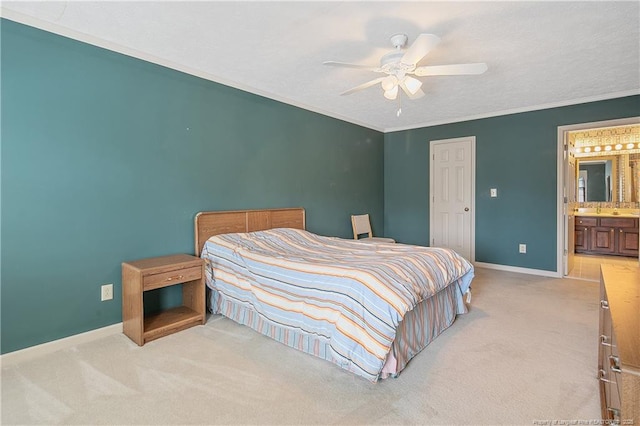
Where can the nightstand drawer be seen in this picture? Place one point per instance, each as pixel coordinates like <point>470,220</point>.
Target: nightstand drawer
<point>172,277</point>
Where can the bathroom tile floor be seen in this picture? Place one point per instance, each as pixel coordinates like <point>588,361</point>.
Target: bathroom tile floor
<point>587,267</point>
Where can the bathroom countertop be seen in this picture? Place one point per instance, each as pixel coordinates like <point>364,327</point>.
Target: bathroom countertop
<point>607,213</point>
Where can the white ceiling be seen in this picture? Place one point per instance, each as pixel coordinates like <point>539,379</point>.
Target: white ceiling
<point>540,54</point>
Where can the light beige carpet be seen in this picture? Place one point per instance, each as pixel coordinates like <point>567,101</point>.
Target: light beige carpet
<point>525,353</point>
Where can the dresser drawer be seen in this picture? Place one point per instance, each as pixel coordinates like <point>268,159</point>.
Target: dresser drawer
<point>172,277</point>
<point>586,221</point>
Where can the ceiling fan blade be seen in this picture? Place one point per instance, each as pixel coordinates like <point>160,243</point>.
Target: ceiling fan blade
<point>363,86</point>
<point>346,65</point>
<point>456,69</point>
<point>418,50</point>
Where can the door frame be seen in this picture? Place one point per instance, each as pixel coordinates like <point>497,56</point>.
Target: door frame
<point>472,175</point>
<point>562,232</point>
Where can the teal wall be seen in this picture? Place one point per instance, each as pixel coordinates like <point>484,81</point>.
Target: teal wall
<point>106,158</point>
<point>517,154</point>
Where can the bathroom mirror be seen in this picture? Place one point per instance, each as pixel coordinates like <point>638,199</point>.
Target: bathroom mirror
<point>597,179</point>
<point>600,179</point>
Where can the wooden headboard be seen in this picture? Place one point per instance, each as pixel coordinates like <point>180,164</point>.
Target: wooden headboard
<point>208,224</point>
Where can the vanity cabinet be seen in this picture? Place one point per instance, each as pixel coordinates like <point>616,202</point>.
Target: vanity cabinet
<point>607,235</point>
<point>583,233</point>
<point>603,240</point>
<point>628,241</point>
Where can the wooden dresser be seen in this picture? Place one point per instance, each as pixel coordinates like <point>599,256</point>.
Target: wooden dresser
<point>619,345</point>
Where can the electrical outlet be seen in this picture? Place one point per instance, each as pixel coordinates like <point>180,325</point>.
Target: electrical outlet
<point>106,292</point>
<point>523,248</point>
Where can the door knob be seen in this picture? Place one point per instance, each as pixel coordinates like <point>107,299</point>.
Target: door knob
<point>466,209</point>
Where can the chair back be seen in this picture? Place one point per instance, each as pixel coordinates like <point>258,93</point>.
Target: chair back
<point>361,225</point>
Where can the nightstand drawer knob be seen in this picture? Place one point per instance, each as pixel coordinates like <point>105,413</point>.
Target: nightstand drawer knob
<point>179,277</point>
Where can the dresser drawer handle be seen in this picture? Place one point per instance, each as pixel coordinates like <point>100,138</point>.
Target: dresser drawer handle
<point>601,376</point>
<point>179,277</point>
<point>615,414</point>
<point>604,304</point>
<point>614,364</point>
<point>604,339</point>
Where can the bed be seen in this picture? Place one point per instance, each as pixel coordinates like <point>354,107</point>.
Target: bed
<point>368,308</point>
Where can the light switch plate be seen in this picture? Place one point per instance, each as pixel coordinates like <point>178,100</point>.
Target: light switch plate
<point>494,192</point>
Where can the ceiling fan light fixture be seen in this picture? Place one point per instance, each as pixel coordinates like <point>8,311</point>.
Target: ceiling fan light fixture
<point>400,67</point>
<point>389,83</point>
<point>412,84</point>
<point>392,93</point>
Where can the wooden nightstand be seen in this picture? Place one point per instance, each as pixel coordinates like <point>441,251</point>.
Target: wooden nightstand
<point>149,274</point>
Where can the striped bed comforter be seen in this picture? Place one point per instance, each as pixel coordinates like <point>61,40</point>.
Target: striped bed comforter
<point>348,295</point>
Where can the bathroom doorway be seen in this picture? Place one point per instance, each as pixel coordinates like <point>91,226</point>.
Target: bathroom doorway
<point>585,266</point>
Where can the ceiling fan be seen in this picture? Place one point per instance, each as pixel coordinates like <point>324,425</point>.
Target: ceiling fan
<point>401,65</point>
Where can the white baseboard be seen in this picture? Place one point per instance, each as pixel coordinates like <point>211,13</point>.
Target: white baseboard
<point>67,342</point>
<point>552,274</point>
<point>56,345</point>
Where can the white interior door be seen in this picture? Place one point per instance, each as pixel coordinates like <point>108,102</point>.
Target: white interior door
<point>452,200</point>
<point>570,198</point>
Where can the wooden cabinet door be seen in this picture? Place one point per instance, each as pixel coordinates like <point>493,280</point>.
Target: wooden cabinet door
<point>603,240</point>
<point>628,241</point>
<point>581,239</point>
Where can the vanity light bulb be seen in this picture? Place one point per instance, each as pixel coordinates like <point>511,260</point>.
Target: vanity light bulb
<point>629,146</point>
<point>597,149</point>
<point>619,146</point>
<point>578,150</point>
<point>587,149</point>
<point>607,148</point>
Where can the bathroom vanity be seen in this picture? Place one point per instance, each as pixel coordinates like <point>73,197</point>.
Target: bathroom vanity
<point>607,233</point>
